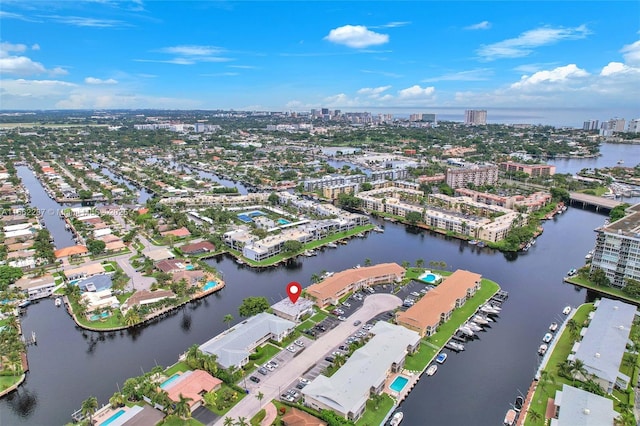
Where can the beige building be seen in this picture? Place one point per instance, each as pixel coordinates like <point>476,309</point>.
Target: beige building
<point>476,175</point>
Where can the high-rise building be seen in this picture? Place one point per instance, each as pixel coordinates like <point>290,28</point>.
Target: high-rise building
<point>325,111</point>
<point>590,125</point>
<point>429,118</point>
<point>475,117</point>
<point>477,175</point>
<point>607,128</point>
<point>634,126</point>
<point>617,251</point>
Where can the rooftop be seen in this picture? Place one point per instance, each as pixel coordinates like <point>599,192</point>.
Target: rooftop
<point>579,407</point>
<point>628,226</point>
<point>191,384</point>
<point>292,309</point>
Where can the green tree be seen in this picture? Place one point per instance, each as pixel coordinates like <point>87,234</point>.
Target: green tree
<point>632,287</point>
<point>132,317</point>
<point>578,369</point>
<point>406,264</point>
<point>228,421</point>
<point>228,319</point>
<point>242,421</point>
<point>273,199</point>
<point>348,201</point>
<point>573,327</point>
<point>419,263</point>
<point>9,275</point>
<point>292,246</point>
<point>259,397</point>
<point>618,212</point>
<point>413,217</point>
<point>599,278</point>
<point>182,408</point>
<point>96,246</point>
<point>253,305</point>
<point>367,262</point>
<point>534,416</point>
<point>116,400</point>
<point>560,194</point>
<point>89,407</point>
<point>366,186</point>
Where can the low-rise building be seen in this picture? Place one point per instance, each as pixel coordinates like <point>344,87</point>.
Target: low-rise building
<point>436,307</point>
<point>604,342</point>
<point>533,170</point>
<point>573,406</point>
<point>293,311</point>
<point>365,372</point>
<point>37,287</point>
<point>192,385</point>
<point>330,290</point>
<point>234,346</point>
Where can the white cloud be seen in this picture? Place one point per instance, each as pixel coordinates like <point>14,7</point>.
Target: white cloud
<point>618,68</point>
<point>35,47</point>
<point>393,24</point>
<point>480,74</point>
<point>524,44</point>
<point>97,81</point>
<point>20,65</point>
<point>6,48</point>
<point>192,50</point>
<point>416,92</point>
<point>81,21</point>
<point>484,25</point>
<point>631,53</point>
<point>189,55</point>
<point>356,36</point>
<point>559,74</point>
<point>373,91</point>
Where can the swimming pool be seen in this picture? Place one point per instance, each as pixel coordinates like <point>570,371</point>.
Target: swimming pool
<point>189,267</point>
<point>283,221</point>
<point>429,277</point>
<point>169,381</point>
<point>112,418</point>
<point>399,383</point>
<point>209,285</point>
<point>96,317</point>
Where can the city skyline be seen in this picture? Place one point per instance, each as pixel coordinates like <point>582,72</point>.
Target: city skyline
<point>549,66</point>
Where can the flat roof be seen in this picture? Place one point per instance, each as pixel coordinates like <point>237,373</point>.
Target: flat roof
<point>287,307</point>
<point>579,407</point>
<point>605,341</point>
<point>232,346</point>
<point>427,310</point>
<point>348,389</point>
<point>628,226</point>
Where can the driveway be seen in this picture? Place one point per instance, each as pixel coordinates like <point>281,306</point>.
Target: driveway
<point>276,382</point>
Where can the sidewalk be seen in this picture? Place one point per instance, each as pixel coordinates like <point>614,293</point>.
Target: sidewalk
<point>271,415</point>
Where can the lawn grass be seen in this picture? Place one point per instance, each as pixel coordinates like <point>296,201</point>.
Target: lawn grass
<point>257,419</point>
<point>219,391</point>
<point>8,381</point>
<point>419,360</point>
<point>373,417</point>
<point>268,351</point>
<point>561,351</point>
<point>175,368</point>
<point>304,325</point>
<point>319,317</point>
<point>177,421</point>
<point>611,291</point>
<point>413,274</point>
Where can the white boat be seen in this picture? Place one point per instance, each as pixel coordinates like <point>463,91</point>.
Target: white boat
<point>332,245</point>
<point>58,301</point>
<point>510,417</point>
<point>542,349</point>
<point>466,330</point>
<point>553,327</point>
<point>547,337</point>
<point>432,370</point>
<point>566,310</point>
<point>473,326</point>
<point>533,242</point>
<point>572,272</point>
<point>480,320</point>
<point>396,419</point>
<point>473,242</point>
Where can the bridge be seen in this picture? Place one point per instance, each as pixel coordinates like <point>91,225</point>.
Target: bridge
<point>593,201</point>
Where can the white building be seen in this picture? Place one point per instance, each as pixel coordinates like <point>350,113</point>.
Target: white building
<point>474,117</point>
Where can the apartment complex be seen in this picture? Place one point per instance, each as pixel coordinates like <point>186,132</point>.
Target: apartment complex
<point>617,250</point>
<point>436,307</point>
<point>526,203</point>
<point>573,406</point>
<point>475,174</point>
<point>330,290</point>
<point>533,170</point>
<point>365,372</point>
<point>604,343</point>
<point>475,117</point>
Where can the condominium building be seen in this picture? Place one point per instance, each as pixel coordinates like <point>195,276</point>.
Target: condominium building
<point>590,125</point>
<point>526,203</point>
<point>573,406</point>
<point>474,174</point>
<point>475,117</point>
<point>332,181</point>
<point>330,290</point>
<point>617,250</point>
<point>364,374</point>
<point>436,307</point>
<point>634,126</point>
<point>533,170</point>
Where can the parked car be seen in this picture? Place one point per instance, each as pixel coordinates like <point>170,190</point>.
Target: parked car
<point>415,294</point>
<point>292,349</point>
<point>329,359</point>
<point>347,304</point>
<point>305,381</point>
<point>299,343</point>
<point>269,367</point>
<point>343,348</point>
<point>300,385</point>
<point>357,322</point>
<point>263,371</point>
<point>254,379</point>
<point>341,318</point>
<point>275,364</point>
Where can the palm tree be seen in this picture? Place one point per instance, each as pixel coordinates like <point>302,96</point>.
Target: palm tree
<point>578,367</point>
<point>132,317</point>
<point>242,421</point>
<point>573,327</point>
<point>367,262</point>
<point>228,421</point>
<point>545,378</point>
<point>419,263</point>
<point>405,264</point>
<point>259,397</point>
<point>89,406</point>
<point>182,408</point>
<point>534,416</point>
<point>228,319</point>
<point>117,400</point>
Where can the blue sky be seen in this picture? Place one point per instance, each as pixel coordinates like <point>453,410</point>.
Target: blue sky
<point>400,56</point>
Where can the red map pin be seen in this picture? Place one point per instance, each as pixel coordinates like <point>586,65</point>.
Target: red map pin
<point>293,290</point>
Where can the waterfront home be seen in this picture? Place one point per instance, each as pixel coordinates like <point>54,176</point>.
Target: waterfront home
<point>146,297</point>
<point>84,271</point>
<point>293,311</point>
<point>572,406</point>
<point>234,346</point>
<point>193,385</point>
<point>159,254</point>
<point>178,233</point>
<point>198,248</point>
<point>170,265</point>
<point>330,290</point>
<point>604,342</point>
<point>436,307</point>
<point>37,287</point>
<point>70,251</point>
<point>95,300</point>
<point>191,277</point>
<point>364,374</point>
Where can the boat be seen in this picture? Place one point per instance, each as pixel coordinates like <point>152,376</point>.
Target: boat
<point>58,302</point>
<point>432,370</point>
<point>454,346</point>
<point>473,326</point>
<point>480,320</point>
<point>473,242</point>
<point>542,349</point>
<point>519,402</point>
<point>533,242</point>
<point>239,261</point>
<point>553,327</point>
<point>572,272</point>
<point>332,245</point>
<point>466,331</point>
<point>396,419</point>
<point>481,244</point>
<point>378,229</point>
<point>620,161</point>
<point>566,310</point>
<point>510,417</point>
<point>24,304</point>
<point>588,256</point>
<point>547,337</point>
<point>440,359</point>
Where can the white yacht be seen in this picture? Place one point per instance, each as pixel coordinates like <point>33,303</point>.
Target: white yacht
<point>396,419</point>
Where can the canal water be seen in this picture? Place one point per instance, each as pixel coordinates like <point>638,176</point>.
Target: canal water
<point>473,387</point>
<point>611,154</point>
